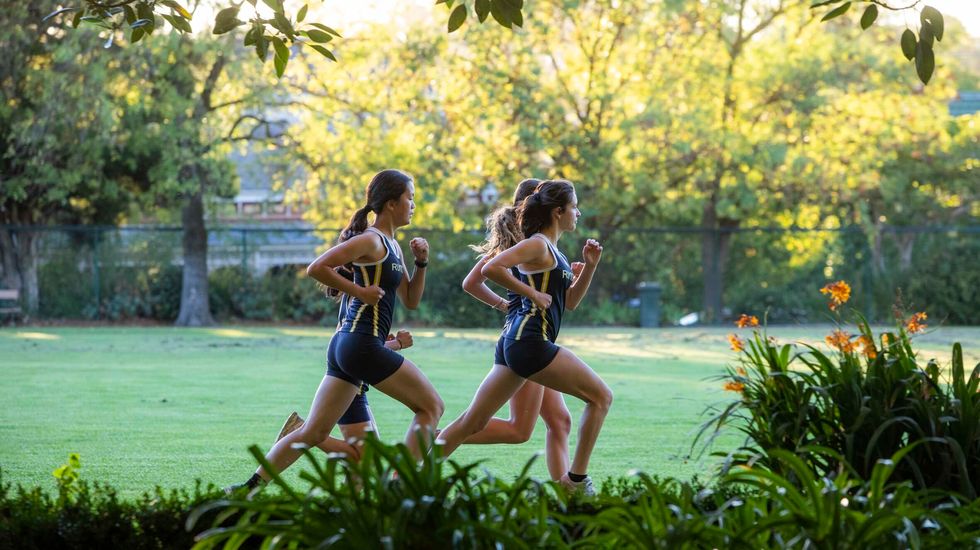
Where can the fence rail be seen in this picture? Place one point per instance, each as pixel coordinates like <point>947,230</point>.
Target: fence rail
<point>255,272</point>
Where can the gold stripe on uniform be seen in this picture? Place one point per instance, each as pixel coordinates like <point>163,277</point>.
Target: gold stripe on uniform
<point>534,309</point>
<point>377,282</point>
<point>544,314</point>
<point>360,310</point>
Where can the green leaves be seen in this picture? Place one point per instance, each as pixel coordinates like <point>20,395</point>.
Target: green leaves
<point>482,8</point>
<point>869,17</point>
<point>837,12</point>
<point>317,35</point>
<point>925,61</point>
<point>178,23</point>
<point>908,44</point>
<point>57,13</point>
<point>507,13</point>
<point>226,20</point>
<point>457,17</point>
<point>281,57</point>
<point>931,28</point>
<point>930,17</point>
<point>323,51</point>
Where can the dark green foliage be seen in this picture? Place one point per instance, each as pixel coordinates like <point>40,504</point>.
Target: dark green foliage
<point>134,274</point>
<point>441,504</point>
<point>851,409</point>
<point>84,515</point>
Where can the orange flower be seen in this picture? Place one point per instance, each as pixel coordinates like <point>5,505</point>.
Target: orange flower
<point>747,321</point>
<point>840,293</point>
<point>841,340</point>
<point>868,346</point>
<point>740,371</point>
<point>915,324</point>
<point>734,386</point>
<point>736,343</point>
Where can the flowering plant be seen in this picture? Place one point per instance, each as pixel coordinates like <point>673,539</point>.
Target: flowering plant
<point>859,402</point>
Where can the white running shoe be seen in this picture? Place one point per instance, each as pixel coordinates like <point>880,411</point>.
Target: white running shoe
<point>584,487</point>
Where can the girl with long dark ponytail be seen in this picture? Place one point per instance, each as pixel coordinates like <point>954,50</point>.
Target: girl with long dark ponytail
<point>533,399</point>
<point>547,285</point>
<point>357,352</point>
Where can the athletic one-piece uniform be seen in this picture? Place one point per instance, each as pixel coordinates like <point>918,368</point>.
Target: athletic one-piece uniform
<point>513,308</point>
<point>529,338</point>
<point>357,352</point>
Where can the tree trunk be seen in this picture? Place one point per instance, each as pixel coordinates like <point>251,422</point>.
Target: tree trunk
<point>194,308</point>
<point>906,245</point>
<point>877,256</point>
<point>18,260</point>
<point>716,243</point>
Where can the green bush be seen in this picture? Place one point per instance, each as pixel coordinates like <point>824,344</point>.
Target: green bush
<point>389,501</point>
<point>441,504</point>
<point>866,402</point>
<point>91,515</point>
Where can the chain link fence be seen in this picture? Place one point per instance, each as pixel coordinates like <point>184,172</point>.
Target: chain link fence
<point>256,272</point>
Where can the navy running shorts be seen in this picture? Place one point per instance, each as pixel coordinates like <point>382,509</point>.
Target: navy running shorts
<point>528,357</point>
<point>498,352</point>
<point>358,411</point>
<point>358,358</point>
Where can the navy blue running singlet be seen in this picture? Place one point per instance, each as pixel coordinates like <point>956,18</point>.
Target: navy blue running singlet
<point>533,323</point>
<point>362,318</point>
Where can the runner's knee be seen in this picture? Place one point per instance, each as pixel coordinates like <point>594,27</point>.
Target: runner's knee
<point>602,397</point>
<point>313,435</point>
<point>558,421</point>
<point>432,406</point>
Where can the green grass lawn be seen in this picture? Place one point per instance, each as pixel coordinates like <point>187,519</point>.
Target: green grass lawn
<point>166,406</point>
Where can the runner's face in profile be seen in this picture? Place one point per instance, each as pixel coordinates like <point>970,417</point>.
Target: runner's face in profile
<point>569,217</point>
<point>405,206</point>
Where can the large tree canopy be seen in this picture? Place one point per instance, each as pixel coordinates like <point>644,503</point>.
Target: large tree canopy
<point>696,126</point>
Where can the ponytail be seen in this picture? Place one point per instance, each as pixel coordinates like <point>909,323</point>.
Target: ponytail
<point>358,224</point>
<point>502,229</point>
<point>503,232</point>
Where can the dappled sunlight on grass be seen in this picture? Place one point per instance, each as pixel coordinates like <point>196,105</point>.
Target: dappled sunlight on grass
<point>233,333</point>
<point>659,378</point>
<point>640,349</point>
<point>33,336</point>
<point>305,332</point>
<point>457,335</point>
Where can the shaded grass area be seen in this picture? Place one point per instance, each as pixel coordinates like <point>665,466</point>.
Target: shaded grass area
<point>158,405</point>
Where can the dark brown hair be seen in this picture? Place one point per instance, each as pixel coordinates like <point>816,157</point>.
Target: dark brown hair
<point>534,214</point>
<point>502,223</point>
<point>386,185</point>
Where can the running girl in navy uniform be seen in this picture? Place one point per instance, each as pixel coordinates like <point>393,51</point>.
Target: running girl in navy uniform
<point>358,419</point>
<point>357,352</point>
<point>532,399</point>
<point>529,352</point>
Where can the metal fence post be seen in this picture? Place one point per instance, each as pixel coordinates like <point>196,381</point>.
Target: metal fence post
<point>244,275</point>
<point>96,283</point>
